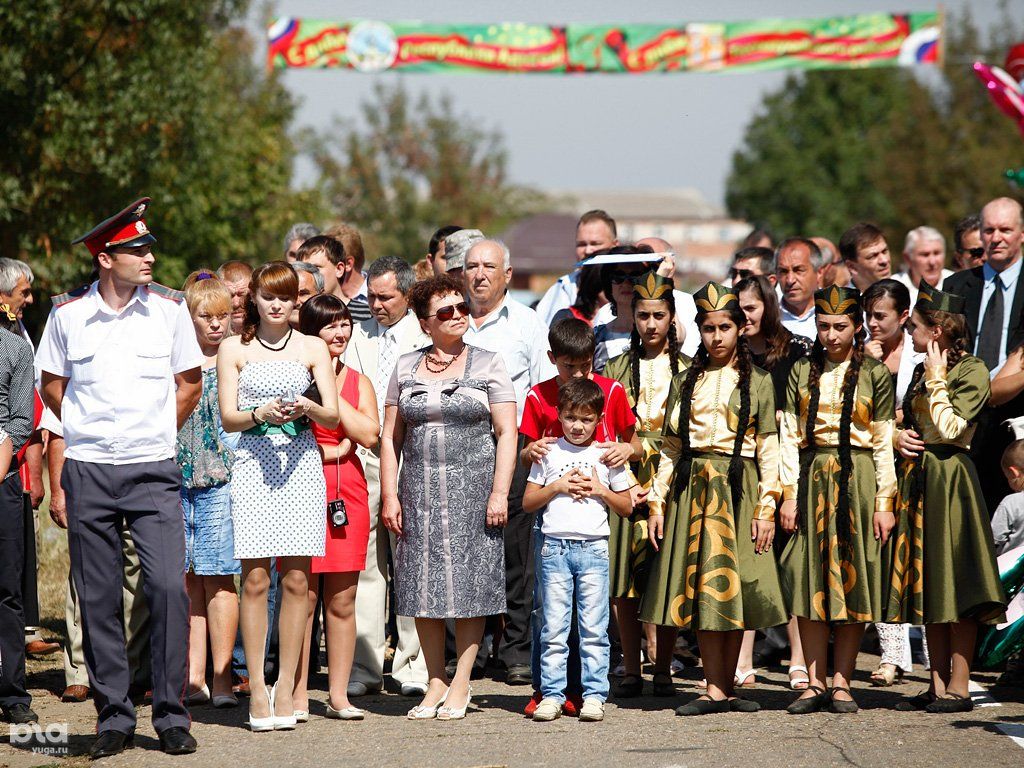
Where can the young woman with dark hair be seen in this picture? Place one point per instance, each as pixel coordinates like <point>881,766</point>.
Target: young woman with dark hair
<point>775,349</point>
<point>839,480</point>
<point>944,573</point>
<point>645,370</point>
<point>590,297</point>
<point>712,505</point>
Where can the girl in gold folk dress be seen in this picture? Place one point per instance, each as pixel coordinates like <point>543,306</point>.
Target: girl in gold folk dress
<point>712,507</point>
<point>645,371</point>
<point>944,574</point>
<point>838,482</point>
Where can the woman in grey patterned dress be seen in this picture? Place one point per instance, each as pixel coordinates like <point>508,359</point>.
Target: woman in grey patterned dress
<point>450,414</point>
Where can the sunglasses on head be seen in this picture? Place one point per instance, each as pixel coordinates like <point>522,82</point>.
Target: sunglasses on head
<point>618,276</point>
<point>444,314</point>
<point>975,253</point>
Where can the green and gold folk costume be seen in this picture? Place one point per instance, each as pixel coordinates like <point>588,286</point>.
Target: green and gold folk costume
<point>823,578</point>
<point>628,547</point>
<point>706,575</point>
<point>944,567</point>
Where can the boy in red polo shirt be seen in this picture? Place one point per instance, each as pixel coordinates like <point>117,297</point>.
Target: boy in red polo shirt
<point>572,352</point>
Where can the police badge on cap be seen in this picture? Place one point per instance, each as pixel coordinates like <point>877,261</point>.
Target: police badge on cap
<point>125,229</point>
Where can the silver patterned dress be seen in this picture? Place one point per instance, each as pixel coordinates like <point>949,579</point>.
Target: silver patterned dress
<point>449,564</point>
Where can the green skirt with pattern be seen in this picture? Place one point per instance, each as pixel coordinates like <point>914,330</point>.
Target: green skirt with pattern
<point>944,568</point>
<point>706,575</point>
<point>820,580</point>
<point>629,551</point>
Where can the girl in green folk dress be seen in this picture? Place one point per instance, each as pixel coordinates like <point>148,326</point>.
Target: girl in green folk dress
<point>645,371</point>
<point>839,480</point>
<point>712,506</point>
<point>944,574</point>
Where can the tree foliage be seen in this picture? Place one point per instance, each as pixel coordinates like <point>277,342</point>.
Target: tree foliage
<point>106,100</point>
<point>413,167</point>
<point>833,148</point>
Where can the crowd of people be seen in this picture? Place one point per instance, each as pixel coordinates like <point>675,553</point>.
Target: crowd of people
<point>405,454</point>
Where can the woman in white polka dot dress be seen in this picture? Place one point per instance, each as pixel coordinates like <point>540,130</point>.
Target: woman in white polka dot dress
<point>278,495</point>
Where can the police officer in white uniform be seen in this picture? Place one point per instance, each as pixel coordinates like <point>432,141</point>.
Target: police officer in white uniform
<point>121,367</point>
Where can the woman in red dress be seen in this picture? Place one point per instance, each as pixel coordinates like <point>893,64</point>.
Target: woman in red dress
<point>337,572</point>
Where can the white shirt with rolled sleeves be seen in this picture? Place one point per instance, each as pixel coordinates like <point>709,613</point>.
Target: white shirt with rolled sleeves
<point>516,333</point>
<point>119,405</point>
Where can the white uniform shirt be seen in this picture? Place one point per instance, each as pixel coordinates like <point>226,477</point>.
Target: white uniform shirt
<point>516,333</point>
<point>119,405</point>
<point>804,325</point>
<point>904,277</point>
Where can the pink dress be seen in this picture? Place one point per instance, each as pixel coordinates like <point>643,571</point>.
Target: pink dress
<point>346,547</point>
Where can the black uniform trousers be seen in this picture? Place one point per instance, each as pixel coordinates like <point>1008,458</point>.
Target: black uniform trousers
<point>516,642</point>
<point>12,611</point>
<point>146,496</point>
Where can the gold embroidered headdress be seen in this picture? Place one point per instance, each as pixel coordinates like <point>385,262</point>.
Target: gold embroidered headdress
<point>714,297</point>
<point>836,300</point>
<point>652,286</point>
<point>932,298</point>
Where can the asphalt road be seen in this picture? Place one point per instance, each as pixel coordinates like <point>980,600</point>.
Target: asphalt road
<point>640,732</point>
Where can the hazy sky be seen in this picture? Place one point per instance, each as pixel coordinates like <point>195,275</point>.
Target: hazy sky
<point>594,131</point>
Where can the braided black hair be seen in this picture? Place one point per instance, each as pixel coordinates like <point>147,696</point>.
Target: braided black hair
<point>693,374</point>
<point>849,392</point>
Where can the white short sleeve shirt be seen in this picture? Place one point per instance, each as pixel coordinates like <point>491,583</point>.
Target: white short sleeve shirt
<point>119,405</point>
<point>564,517</point>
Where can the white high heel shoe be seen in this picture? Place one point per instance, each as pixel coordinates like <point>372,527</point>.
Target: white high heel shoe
<point>455,713</point>
<point>281,722</point>
<point>262,724</point>
<point>420,712</point>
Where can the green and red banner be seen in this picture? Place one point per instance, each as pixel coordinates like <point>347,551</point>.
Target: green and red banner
<point>847,42</point>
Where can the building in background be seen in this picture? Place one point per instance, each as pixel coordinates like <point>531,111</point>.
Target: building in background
<point>703,236</point>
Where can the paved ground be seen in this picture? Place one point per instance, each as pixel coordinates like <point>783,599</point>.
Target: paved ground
<point>640,732</point>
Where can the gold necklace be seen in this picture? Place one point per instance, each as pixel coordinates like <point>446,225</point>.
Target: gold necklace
<point>648,419</point>
<point>442,365</point>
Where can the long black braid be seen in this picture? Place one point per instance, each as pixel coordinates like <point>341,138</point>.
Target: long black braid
<point>693,373</point>
<point>743,365</point>
<point>955,353</point>
<point>849,391</point>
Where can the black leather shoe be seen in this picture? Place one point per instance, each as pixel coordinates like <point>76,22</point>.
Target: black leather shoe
<point>177,741</point>
<point>19,714</point>
<point>841,706</point>
<point>519,674</point>
<point>110,743</point>
<point>736,704</point>
<point>809,704</point>
<point>704,706</point>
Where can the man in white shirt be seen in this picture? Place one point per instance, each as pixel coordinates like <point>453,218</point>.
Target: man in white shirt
<point>924,258</point>
<point>797,263</point>
<point>121,368</point>
<point>376,345</point>
<point>595,231</point>
<point>500,324</point>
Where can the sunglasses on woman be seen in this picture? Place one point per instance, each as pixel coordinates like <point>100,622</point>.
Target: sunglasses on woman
<point>444,314</point>
<point>618,276</point>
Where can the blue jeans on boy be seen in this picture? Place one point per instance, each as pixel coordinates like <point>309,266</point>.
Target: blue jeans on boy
<point>574,572</point>
<point>573,687</point>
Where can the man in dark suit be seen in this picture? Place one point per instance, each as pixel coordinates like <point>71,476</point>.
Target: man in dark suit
<point>995,309</point>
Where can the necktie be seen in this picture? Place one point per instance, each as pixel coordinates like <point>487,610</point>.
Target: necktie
<point>990,335</point>
<point>385,367</point>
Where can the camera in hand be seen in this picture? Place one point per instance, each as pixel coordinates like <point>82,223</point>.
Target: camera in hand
<point>337,513</point>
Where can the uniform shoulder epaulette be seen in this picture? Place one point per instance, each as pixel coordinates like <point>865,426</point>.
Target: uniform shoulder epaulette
<point>167,293</point>
<point>66,298</point>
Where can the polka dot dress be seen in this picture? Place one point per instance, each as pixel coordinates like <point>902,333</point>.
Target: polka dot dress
<point>278,495</point>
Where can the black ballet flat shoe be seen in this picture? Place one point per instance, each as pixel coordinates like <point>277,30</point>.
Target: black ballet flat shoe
<point>702,706</point>
<point>110,743</point>
<point>629,687</point>
<point>916,703</point>
<point>950,703</point>
<point>841,707</point>
<point>177,741</point>
<point>663,685</point>
<point>743,705</point>
<point>809,704</point>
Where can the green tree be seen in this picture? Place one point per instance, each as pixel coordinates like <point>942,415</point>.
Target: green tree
<point>416,167</point>
<point>835,147</point>
<point>107,100</point>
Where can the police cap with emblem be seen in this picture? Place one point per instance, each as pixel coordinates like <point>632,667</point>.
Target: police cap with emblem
<point>125,229</point>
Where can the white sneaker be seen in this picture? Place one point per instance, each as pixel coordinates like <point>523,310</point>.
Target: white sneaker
<point>413,689</point>
<point>547,710</point>
<point>356,688</point>
<point>592,711</point>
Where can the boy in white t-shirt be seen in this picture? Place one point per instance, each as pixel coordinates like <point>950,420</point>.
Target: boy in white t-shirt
<point>578,490</point>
